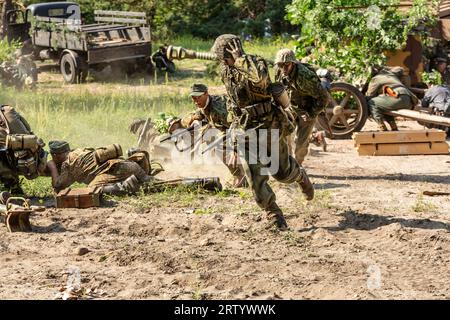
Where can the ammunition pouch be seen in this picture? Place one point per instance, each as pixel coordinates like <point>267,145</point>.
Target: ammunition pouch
<point>103,154</point>
<point>142,158</point>
<point>17,142</point>
<point>257,110</point>
<point>28,167</point>
<point>280,95</point>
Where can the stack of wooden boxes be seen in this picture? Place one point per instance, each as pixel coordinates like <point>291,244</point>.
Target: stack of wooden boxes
<point>407,142</point>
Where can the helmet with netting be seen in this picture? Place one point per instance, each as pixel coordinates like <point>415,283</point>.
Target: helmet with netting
<point>285,55</point>
<point>222,43</point>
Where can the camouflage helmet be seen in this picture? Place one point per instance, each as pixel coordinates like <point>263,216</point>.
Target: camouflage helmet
<point>285,55</point>
<point>222,43</point>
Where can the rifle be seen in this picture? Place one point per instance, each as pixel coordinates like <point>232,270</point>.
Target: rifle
<point>174,137</point>
<point>17,217</point>
<point>178,134</point>
<point>211,184</point>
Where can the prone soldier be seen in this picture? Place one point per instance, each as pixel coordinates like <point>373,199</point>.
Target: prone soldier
<point>105,168</point>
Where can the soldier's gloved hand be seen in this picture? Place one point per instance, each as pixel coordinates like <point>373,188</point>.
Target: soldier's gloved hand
<point>235,49</point>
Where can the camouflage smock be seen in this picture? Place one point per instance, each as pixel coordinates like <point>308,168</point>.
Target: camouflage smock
<point>247,82</point>
<point>304,88</point>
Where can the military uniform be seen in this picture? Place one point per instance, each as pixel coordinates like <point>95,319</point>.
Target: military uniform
<point>308,98</point>
<point>386,92</point>
<point>115,176</point>
<point>82,167</point>
<point>17,160</point>
<point>215,114</point>
<point>248,86</point>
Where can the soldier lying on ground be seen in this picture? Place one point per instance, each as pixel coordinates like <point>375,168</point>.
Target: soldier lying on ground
<point>307,95</point>
<point>103,167</point>
<point>388,91</point>
<point>211,110</point>
<point>21,152</point>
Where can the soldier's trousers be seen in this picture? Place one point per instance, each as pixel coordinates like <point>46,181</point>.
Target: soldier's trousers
<point>302,136</point>
<point>289,171</point>
<point>382,103</point>
<point>119,172</point>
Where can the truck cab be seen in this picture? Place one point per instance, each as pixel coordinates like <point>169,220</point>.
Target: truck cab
<point>19,22</point>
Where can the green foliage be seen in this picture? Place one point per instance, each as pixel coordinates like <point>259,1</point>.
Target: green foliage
<point>162,123</point>
<point>352,40</point>
<point>432,78</point>
<point>7,50</point>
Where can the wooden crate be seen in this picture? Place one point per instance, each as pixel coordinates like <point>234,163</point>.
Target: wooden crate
<point>394,149</point>
<point>79,198</point>
<point>406,136</point>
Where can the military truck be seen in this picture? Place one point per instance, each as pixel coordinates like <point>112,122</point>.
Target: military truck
<point>54,31</point>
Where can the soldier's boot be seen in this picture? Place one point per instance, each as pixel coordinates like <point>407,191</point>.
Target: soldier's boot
<point>306,185</point>
<point>392,124</point>
<point>129,186</point>
<point>275,218</point>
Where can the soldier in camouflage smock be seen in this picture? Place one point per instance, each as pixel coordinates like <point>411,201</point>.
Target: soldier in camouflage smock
<point>308,97</point>
<point>212,110</point>
<point>248,85</point>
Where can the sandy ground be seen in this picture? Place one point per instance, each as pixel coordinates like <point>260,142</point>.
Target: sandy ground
<point>369,234</point>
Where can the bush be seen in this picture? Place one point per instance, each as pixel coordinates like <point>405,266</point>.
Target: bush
<point>353,40</point>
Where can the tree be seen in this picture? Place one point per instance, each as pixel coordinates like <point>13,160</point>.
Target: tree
<point>353,39</point>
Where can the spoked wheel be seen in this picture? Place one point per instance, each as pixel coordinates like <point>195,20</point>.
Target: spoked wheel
<point>347,111</point>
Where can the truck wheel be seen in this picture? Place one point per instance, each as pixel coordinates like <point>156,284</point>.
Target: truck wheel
<point>69,69</point>
<point>347,112</point>
<point>73,68</point>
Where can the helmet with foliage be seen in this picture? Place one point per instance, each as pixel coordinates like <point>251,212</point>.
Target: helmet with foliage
<point>221,45</point>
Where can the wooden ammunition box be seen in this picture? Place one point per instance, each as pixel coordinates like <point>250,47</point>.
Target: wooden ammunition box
<point>79,198</point>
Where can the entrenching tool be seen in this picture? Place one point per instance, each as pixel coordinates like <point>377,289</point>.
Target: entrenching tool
<point>17,217</point>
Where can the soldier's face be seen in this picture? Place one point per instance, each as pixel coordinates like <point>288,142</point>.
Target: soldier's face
<point>200,101</point>
<point>286,68</point>
<point>59,157</point>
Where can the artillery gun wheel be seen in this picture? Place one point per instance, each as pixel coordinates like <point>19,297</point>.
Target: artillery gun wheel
<point>347,112</point>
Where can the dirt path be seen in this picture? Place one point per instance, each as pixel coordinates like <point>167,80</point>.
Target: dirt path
<point>368,235</point>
